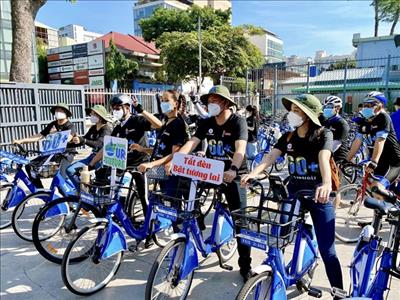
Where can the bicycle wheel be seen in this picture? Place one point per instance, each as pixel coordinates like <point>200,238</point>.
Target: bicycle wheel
<point>164,281</point>
<point>351,214</point>
<point>163,237</point>
<point>207,199</point>
<point>5,213</point>
<point>52,232</point>
<point>257,287</point>
<point>227,250</point>
<point>25,213</point>
<point>92,273</point>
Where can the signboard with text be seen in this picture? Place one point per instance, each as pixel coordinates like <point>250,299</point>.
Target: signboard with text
<point>55,143</point>
<point>198,168</point>
<point>115,152</point>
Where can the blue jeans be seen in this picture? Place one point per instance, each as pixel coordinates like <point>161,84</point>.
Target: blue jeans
<point>71,170</point>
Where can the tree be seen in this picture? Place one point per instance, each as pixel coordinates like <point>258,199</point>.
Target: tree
<point>41,50</point>
<point>389,11</point>
<point>23,14</point>
<point>172,20</point>
<point>375,4</point>
<point>118,67</point>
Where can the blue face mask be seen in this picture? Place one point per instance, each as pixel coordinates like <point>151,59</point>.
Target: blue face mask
<point>166,107</point>
<point>329,112</point>
<point>368,112</point>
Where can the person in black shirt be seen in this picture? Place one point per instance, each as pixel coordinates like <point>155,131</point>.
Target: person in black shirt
<point>226,135</point>
<point>93,138</point>
<point>62,114</point>
<point>252,126</point>
<point>377,126</point>
<point>309,149</point>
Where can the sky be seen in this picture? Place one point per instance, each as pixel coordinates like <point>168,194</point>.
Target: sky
<point>304,26</point>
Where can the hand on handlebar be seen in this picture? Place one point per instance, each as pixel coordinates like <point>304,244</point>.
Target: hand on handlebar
<point>229,176</point>
<point>136,147</point>
<point>144,167</point>
<point>322,193</point>
<point>245,179</point>
<point>168,168</point>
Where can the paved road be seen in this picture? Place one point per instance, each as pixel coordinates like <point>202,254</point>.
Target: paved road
<point>26,275</point>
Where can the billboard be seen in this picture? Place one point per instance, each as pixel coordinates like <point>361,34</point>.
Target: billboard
<point>82,64</point>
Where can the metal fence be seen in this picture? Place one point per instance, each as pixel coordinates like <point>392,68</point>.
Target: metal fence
<point>25,108</point>
<point>349,79</point>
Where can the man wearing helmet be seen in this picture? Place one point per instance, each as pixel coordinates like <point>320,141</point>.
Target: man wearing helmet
<point>377,125</point>
<point>332,120</point>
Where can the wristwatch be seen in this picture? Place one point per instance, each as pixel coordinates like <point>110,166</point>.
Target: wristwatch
<point>234,168</point>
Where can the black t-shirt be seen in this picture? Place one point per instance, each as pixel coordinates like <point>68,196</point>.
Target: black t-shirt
<point>134,130</point>
<point>340,129</point>
<point>252,122</point>
<point>382,126</point>
<point>171,134</point>
<point>302,156</point>
<point>94,138</point>
<point>221,139</point>
<point>55,127</point>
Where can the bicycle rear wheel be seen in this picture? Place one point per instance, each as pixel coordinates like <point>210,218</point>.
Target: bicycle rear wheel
<point>92,273</point>
<point>5,212</point>
<point>351,214</point>
<point>257,287</point>
<point>25,212</point>
<point>52,232</point>
<point>164,281</point>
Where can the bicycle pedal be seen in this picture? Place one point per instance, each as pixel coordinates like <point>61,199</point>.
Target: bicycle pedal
<point>314,292</point>
<point>226,267</point>
<point>338,293</point>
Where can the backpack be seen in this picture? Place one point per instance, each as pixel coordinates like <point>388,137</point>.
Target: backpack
<point>334,168</point>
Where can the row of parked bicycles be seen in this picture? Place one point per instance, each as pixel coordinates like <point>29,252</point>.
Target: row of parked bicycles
<point>85,228</point>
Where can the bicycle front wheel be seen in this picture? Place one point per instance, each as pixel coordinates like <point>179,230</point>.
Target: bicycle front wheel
<point>164,278</point>
<point>92,273</point>
<point>5,212</point>
<point>25,212</point>
<point>351,214</point>
<point>53,230</point>
<point>258,287</point>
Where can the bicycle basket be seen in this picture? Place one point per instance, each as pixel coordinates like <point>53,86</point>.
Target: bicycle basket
<point>157,173</point>
<point>173,205</point>
<point>48,170</point>
<point>101,195</point>
<point>8,167</point>
<point>263,227</point>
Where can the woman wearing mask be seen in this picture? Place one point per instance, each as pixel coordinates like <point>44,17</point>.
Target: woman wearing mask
<point>93,138</point>
<point>309,149</point>
<point>253,121</point>
<point>61,114</point>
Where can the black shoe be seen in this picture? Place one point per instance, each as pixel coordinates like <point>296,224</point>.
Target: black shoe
<point>148,243</point>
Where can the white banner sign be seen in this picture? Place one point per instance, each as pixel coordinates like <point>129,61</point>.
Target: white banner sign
<point>53,63</point>
<point>95,47</point>
<point>65,49</point>
<point>54,70</point>
<point>67,69</point>
<point>115,151</point>
<point>79,67</point>
<point>65,55</point>
<point>96,82</point>
<point>55,81</point>
<point>96,61</point>
<point>52,51</point>
<point>198,168</point>
<point>96,72</point>
<point>81,60</point>
<point>66,62</point>
<point>67,75</point>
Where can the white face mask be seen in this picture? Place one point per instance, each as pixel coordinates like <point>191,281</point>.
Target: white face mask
<point>214,109</point>
<point>166,107</point>
<point>94,119</point>
<point>118,114</point>
<point>294,119</point>
<point>60,115</point>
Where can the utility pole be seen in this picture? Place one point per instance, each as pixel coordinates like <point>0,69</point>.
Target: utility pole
<point>200,73</point>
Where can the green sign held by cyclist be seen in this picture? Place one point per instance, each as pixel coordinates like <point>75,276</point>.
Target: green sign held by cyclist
<point>115,152</point>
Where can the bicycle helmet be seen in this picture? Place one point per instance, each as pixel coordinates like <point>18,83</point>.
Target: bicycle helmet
<point>120,99</point>
<point>334,100</point>
<point>376,96</point>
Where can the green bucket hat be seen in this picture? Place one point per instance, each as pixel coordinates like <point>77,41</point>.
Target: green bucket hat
<point>309,104</point>
<point>102,112</point>
<point>218,90</point>
<point>63,106</point>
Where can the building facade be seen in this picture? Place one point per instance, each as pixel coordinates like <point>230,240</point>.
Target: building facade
<point>270,45</point>
<point>143,9</point>
<point>47,34</point>
<point>77,33</point>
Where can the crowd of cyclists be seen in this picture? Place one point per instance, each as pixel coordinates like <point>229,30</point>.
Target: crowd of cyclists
<point>317,148</point>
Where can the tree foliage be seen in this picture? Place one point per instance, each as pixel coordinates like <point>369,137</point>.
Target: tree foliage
<point>41,52</point>
<point>173,20</point>
<point>386,11</point>
<point>118,67</point>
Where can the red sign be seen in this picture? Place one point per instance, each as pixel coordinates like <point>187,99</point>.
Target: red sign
<point>55,76</point>
<point>53,57</point>
<point>81,77</point>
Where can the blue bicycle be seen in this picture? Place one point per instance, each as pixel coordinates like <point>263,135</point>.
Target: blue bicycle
<point>12,192</point>
<point>363,283</point>
<point>172,273</point>
<point>93,257</point>
<point>271,227</point>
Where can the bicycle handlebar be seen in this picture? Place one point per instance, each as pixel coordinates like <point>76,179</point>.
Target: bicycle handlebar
<point>388,195</point>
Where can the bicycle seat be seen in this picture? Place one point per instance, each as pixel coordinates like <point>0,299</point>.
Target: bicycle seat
<point>379,205</point>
